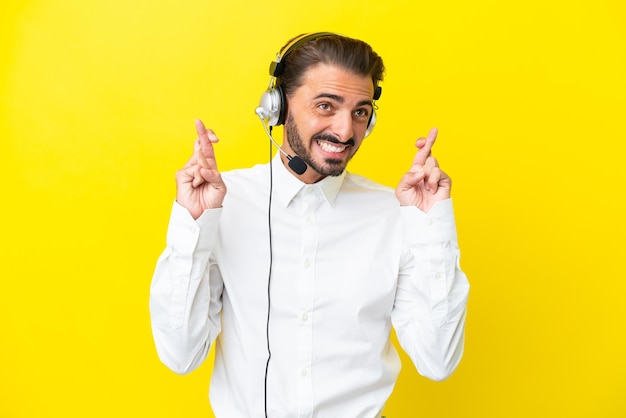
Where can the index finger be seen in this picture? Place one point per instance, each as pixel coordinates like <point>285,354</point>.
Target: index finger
<point>204,144</point>
<point>424,152</point>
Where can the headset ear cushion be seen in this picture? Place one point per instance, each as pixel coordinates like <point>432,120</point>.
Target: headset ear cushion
<point>273,104</point>
<point>282,106</point>
<point>371,124</point>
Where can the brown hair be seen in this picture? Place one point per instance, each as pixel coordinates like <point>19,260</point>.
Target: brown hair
<point>350,54</point>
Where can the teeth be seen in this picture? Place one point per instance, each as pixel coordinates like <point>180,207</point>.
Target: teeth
<point>328,147</point>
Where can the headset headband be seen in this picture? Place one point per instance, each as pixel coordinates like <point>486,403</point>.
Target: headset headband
<point>277,67</point>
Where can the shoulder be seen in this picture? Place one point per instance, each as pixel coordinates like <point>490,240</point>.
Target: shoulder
<point>368,192</point>
<point>245,184</point>
<point>360,182</point>
<point>258,173</point>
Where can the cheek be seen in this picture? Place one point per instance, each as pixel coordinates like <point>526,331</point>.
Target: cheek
<point>314,122</point>
<point>310,128</point>
<point>360,127</point>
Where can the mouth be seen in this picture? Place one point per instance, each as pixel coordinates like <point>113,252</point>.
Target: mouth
<point>332,147</point>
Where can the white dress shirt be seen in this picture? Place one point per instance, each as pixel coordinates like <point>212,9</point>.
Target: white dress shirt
<point>347,262</point>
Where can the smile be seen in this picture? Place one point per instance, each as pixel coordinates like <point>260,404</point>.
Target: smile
<point>335,148</point>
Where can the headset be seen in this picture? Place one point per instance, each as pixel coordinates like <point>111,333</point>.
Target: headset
<point>272,109</point>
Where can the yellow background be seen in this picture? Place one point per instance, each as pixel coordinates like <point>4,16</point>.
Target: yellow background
<point>97,107</point>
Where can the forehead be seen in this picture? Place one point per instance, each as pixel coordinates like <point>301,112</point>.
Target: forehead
<point>332,79</point>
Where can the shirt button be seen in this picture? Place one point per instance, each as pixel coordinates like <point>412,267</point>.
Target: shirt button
<point>307,263</point>
<point>431,223</point>
<point>308,219</point>
<point>304,372</point>
<point>305,317</point>
<point>438,275</point>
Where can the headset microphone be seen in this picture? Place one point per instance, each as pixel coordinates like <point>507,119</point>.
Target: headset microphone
<point>295,163</point>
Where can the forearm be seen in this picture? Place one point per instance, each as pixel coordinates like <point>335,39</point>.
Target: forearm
<point>430,310</point>
<point>185,295</point>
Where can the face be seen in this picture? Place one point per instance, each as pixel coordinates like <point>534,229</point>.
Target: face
<point>327,119</point>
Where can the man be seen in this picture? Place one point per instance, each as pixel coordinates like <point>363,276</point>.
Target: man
<point>298,275</point>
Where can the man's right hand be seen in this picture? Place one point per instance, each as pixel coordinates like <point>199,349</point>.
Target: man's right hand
<point>199,185</point>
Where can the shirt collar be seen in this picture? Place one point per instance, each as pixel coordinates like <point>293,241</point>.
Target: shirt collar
<point>286,185</point>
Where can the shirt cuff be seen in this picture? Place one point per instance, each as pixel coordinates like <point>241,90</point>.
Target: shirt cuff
<point>438,225</point>
<point>184,233</point>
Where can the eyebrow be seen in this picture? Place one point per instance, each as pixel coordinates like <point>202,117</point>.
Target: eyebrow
<point>340,99</point>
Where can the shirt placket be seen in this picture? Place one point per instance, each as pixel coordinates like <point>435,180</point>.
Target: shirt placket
<point>311,198</point>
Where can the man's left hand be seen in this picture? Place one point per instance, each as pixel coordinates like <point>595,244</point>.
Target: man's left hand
<point>425,184</point>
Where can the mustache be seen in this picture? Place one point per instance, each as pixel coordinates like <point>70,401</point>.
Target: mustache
<point>333,139</point>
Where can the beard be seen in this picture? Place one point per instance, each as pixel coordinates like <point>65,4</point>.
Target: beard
<point>330,166</point>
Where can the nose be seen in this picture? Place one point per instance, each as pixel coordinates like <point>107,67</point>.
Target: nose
<point>343,127</point>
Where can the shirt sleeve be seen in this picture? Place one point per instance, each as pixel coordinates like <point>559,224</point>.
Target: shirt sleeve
<point>431,299</point>
<point>186,291</point>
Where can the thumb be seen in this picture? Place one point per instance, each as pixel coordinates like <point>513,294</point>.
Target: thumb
<point>413,177</point>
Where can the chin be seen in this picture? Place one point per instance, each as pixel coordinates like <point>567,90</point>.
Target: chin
<point>330,167</point>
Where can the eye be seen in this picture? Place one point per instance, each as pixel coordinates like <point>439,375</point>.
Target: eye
<point>324,106</point>
<point>362,113</point>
